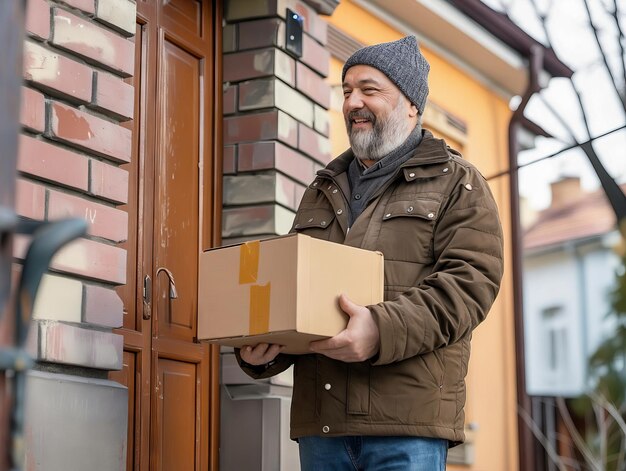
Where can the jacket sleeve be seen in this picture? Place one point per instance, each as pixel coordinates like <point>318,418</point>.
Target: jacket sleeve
<point>278,365</point>
<point>449,303</point>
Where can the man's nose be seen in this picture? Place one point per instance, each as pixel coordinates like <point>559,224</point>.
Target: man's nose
<point>353,101</point>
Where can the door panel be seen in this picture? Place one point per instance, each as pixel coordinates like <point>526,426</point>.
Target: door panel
<point>177,403</point>
<point>172,379</point>
<point>177,216</point>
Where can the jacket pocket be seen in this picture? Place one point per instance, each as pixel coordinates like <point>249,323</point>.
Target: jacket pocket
<point>314,222</point>
<point>407,229</point>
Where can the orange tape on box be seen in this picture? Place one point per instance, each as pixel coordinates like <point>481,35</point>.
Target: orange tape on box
<point>259,314</point>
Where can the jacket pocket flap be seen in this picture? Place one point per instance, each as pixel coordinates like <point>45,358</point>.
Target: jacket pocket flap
<point>315,217</point>
<point>422,208</point>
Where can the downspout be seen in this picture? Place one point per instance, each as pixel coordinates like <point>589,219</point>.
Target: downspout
<point>525,437</point>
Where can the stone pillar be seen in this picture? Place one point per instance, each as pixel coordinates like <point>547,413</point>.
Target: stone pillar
<point>275,114</point>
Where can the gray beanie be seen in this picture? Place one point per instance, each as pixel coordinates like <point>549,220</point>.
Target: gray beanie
<point>402,62</point>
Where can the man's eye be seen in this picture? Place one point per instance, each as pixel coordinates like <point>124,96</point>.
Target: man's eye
<point>346,93</point>
<point>369,90</point>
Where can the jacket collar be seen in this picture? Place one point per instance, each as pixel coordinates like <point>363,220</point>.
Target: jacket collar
<point>429,151</point>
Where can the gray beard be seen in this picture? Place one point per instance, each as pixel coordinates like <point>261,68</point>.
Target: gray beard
<point>386,134</point>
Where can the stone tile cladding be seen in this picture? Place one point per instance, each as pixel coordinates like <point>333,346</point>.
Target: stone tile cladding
<point>76,104</point>
<point>275,115</point>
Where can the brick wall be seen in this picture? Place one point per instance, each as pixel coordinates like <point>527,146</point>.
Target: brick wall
<point>74,106</point>
<point>76,113</point>
<point>275,115</point>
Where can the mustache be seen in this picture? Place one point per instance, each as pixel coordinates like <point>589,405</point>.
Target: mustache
<point>362,114</point>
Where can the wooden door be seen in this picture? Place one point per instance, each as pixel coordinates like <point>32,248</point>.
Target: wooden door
<point>172,379</point>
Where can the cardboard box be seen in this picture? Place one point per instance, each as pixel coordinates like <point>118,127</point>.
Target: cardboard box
<point>283,290</point>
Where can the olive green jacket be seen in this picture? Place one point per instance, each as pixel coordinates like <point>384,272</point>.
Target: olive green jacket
<point>437,225</point>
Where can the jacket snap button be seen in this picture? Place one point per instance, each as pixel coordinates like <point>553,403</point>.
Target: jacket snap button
<point>296,226</point>
<point>339,211</point>
<point>445,170</point>
<point>315,184</point>
<point>431,215</point>
<point>468,186</point>
<point>329,187</point>
<point>323,223</point>
<point>327,386</point>
<point>325,429</point>
<point>409,209</point>
<point>335,191</point>
<point>388,215</point>
<point>311,220</point>
<point>411,174</point>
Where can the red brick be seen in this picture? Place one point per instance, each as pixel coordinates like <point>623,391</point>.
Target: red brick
<point>103,221</point>
<point>33,110</point>
<point>312,85</point>
<point>267,155</point>
<point>43,159</point>
<point>103,307</point>
<point>30,199</point>
<point>261,127</point>
<point>230,100</point>
<point>57,74</point>
<point>294,164</point>
<point>229,165</point>
<point>38,18</point>
<point>92,259</point>
<point>314,144</point>
<point>315,55</point>
<point>261,33</point>
<point>90,132</point>
<point>93,42</point>
<point>313,23</point>
<point>88,6</point>
<point>114,96</point>
<point>108,182</point>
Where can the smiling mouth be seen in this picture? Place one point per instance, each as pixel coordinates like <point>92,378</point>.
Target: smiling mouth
<point>360,122</point>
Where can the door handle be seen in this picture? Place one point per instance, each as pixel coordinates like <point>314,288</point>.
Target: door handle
<point>170,276</point>
<point>147,297</point>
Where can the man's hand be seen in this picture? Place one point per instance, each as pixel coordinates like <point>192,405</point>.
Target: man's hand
<point>359,341</point>
<point>260,354</point>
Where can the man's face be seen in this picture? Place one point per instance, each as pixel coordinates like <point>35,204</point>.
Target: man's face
<point>378,116</point>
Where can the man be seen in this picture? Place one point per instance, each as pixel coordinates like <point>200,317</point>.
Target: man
<point>388,392</point>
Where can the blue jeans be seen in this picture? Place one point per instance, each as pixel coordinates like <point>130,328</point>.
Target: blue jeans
<point>365,453</point>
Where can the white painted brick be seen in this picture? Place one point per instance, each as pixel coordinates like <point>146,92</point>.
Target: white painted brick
<point>59,299</point>
<point>119,14</point>
<point>71,345</point>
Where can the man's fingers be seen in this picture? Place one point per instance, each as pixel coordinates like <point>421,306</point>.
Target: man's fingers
<point>260,354</point>
<point>346,304</point>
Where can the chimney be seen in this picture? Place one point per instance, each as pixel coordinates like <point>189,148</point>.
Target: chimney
<point>564,191</point>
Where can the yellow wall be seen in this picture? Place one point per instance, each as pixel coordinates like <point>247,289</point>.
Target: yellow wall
<point>491,402</point>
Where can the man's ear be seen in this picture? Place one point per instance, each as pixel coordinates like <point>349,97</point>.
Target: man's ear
<point>413,111</point>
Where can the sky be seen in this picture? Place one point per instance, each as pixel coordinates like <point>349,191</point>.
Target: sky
<point>575,44</point>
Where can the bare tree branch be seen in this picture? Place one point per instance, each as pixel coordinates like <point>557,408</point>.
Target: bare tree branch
<point>542,17</point>
<point>578,440</point>
<point>620,41</point>
<point>539,435</point>
<point>611,409</point>
<point>605,61</point>
<point>602,433</point>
